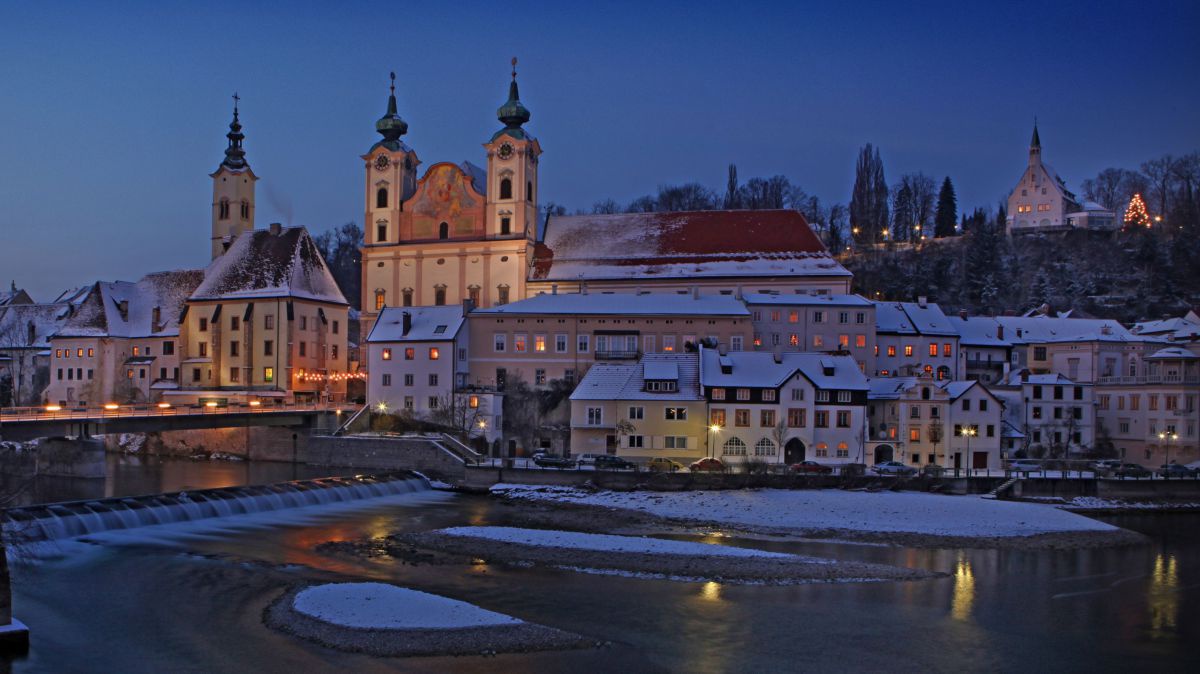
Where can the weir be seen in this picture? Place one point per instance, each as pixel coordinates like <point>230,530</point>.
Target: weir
<point>79,518</point>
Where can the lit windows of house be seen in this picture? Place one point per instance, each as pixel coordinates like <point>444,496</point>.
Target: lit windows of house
<point>933,349</point>
<point>268,374</point>
<point>716,417</point>
<point>891,351</point>
<point>519,343</point>
<point>741,418</point>
<point>860,341</point>
<point>410,353</point>
<point>794,339</point>
<point>844,341</point>
<point>380,300</point>
<point>908,350</point>
<point>539,343</point>
<point>434,353</point>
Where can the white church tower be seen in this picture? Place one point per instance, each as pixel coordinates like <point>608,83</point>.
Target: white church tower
<point>512,166</point>
<point>233,191</point>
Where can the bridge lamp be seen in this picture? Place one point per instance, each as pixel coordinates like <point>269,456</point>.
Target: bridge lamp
<point>53,408</point>
<point>163,406</point>
<point>211,403</point>
<point>255,403</point>
<point>112,406</point>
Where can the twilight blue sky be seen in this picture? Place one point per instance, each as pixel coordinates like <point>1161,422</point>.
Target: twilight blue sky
<point>114,113</point>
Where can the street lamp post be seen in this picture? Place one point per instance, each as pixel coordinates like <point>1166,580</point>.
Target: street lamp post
<point>713,428</point>
<point>970,432</point>
<point>1166,439</point>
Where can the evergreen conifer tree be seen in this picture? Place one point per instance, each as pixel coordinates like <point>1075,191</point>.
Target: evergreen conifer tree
<point>947,210</point>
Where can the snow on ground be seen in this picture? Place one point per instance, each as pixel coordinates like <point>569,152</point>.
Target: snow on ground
<point>381,606</point>
<point>885,511</point>
<point>604,542</point>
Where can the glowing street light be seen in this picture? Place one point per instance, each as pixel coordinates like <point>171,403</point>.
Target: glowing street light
<point>714,428</point>
<point>382,406</point>
<point>163,406</point>
<point>1163,437</point>
<point>112,406</point>
<point>53,408</point>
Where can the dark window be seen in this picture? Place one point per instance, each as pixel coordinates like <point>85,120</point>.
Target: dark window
<point>381,198</point>
<point>506,188</point>
<point>380,232</point>
<point>505,226</point>
<point>408,297</point>
<point>439,296</point>
<point>443,231</point>
<point>529,191</point>
<point>223,210</point>
<point>245,210</point>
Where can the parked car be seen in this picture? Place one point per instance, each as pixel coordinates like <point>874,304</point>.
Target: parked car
<point>1131,470</point>
<point>610,462</point>
<point>707,465</point>
<point>587,459</point>
<point>1105,465</point>
<point>661,464</point>
<point>1176,470</point>
<point>893,468</point>
<point>811,468</point>
<point>553,461</point>
<point>1024,466</point>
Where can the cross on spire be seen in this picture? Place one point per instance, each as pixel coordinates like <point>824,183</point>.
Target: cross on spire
<point>514,67</point>
<point>236,98</point>
<point>393,87</point>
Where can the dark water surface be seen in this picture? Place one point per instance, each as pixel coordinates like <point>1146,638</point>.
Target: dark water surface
<point>141,602</point>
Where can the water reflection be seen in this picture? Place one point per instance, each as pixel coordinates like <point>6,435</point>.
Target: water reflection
<point>711,591</point>
<point>964,589</point>
<point>1163,596</point>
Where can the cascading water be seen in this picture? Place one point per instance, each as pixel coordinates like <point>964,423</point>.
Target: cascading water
<point>80,518</point>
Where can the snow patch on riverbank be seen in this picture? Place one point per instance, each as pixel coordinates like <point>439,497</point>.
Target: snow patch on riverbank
<point>607,543</point>
<point>381,606</point>
<point>812,509</point>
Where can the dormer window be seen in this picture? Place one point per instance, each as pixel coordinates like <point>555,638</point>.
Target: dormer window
<point>662,386</point>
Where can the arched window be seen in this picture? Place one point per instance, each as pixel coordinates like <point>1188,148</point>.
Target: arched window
<point>381,231</point>
<point>245,210</point>
<point>381,198</point>
<point>439,295</point>
<point>822,450</point>
<point>734,447</point>
<point>843,450</point>
<point>223,210</point>
<point>502,294</point>
<point>443,231</point>
<point>407,294</point>
<point>380,300</point>
<point>529,191</point>
<point>764,447</point>
<point>473,292</point>
<point>506,188</point>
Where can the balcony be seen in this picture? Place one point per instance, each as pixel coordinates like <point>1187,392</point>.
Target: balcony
<point>1151,379</point>
<point>618,354</point>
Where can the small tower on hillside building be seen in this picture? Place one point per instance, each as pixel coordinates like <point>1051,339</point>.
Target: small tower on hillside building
<point>233,190</point>
<point>512,166</point>
<point>1035,147</point>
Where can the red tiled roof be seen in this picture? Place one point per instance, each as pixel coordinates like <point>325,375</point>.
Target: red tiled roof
<point>694,243</point>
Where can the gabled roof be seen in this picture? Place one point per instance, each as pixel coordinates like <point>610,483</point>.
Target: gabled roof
<point>911,318</point>
<point>428,324</point>
<point>1030,329</point>
<point>124,309</point>
<point>1173,353</point>
<point>979,331</point>
<point>694,244</point>
<point>1015,379</point>
<point>756,369</point>
<point>263,264</point>
<point>16,319</point>
<point>605,381</point>
<point>622,304</point>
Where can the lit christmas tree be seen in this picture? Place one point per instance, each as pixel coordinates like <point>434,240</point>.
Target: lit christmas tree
<point>1136,215</point>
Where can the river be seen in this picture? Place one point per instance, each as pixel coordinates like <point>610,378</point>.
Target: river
<point>191,601</point>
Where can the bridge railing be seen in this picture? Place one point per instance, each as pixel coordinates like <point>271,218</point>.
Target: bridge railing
<point>151,410</point>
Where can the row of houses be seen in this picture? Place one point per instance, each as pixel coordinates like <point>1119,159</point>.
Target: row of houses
<point>683,375</point>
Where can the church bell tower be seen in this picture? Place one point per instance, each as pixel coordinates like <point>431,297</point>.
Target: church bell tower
<point>512,171</point>
<point>233,191</point>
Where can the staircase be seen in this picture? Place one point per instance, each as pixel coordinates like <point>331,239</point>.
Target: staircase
<point>1004,487</point>
<point>452,445</point>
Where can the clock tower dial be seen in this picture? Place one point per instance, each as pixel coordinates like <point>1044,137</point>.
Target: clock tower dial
<point>506,150</point>
<point>382,162</point>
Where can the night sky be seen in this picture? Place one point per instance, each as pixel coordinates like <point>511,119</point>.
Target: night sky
<point>114,114</point>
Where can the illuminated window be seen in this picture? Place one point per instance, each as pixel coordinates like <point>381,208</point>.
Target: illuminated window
<point>933,349</point>
<point>380,299</point>
<point>92,352</point>
<point>473,402</point>
<point>818,341</point>
<point>914,434</point>
<point>794,339</point>
<point>268,374</point>
<point>793,316</point>
<point>860,341</point>
<point>844,341</point>
<point>387,354</point>
<point>434,353</point>
<point>519,343</point>
<point>908,350</point>
<point>539,343</point>
<point>410,353</point>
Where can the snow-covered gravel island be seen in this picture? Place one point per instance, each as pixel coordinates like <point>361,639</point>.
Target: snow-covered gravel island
<point>383,619</point>
<point>904,518</point>
<point>650,557</point>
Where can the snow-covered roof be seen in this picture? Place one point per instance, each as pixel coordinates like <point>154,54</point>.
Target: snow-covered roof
<point>428,324</point>
<point>697,244</point>
<point>16,319</point>
<point>756,369</point>
<point>1029,329</point>
<point>1173,353</point>
<point>979,331</point>
<point>1016,379</point>
<point>605,381</point>
<point>623,304</point>
<point>125,309</point>
<point>14,296</point>
<point>889,388</point>
<point>806,299</point>
<point>912,318</point>
<point>262,264</point>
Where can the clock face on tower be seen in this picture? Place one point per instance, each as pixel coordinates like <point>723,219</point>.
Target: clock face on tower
<point>506,151</point>
<point>382,162</point>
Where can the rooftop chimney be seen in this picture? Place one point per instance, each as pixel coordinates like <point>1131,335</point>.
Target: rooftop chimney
<point>999,332</point>
<point>276,229</point>
<point>962,313</point>
<point>407,319</point>
<point>922,301</point>
<point>583,288</point>
<point>695,292</point>
<point>777,355</point>
<point>553,288</point>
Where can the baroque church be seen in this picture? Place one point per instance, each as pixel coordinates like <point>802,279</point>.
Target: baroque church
<point>461,232</point>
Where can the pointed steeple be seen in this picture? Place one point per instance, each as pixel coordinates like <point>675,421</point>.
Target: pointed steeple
<point>1035,145</point>
<point>235,156</point>
<point>513,113</point>
<point>390,126</point>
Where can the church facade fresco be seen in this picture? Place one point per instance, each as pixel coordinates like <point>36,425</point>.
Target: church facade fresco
<point>447,196</point>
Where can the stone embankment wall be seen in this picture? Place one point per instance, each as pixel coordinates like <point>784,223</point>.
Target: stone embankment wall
<point>385,453</point>
<point>54,457</point>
